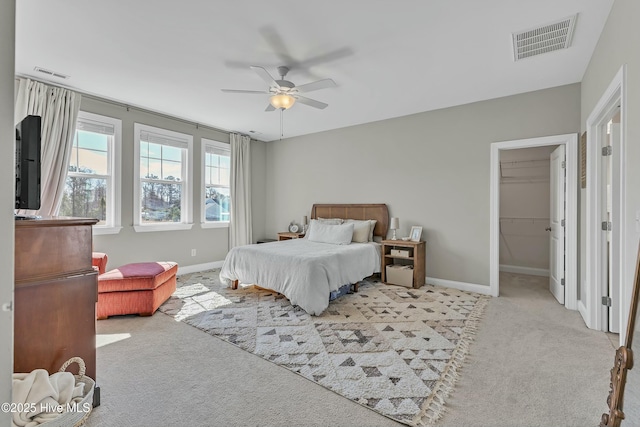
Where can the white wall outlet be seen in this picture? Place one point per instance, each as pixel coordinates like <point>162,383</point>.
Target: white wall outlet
<point>193,252</point>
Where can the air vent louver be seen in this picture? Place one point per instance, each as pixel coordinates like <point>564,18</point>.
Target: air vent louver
<point>51,73</point>
<point>547,38</point>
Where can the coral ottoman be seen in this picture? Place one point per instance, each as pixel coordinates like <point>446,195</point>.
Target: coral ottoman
<point>138,288</point>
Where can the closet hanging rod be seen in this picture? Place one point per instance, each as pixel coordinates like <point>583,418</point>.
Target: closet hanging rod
<point>524,219</point>
<point>515,162</point>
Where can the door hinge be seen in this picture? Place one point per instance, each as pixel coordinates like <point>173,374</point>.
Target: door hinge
<point>562,223</point>
<point>606,151</point>
<point>606,301</point>
<point>564,164</point>
<point>606,225</point>
<point>562,281</point>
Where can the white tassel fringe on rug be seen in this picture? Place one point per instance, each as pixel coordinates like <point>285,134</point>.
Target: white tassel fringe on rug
<point>395,350</point>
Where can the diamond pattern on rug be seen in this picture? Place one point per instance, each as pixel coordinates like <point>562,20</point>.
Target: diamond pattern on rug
<point>392,349</point>
<point>350,338</point>
<point>280,312</point>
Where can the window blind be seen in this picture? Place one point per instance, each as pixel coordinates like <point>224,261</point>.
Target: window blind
<point>89,125</point>
<point>154,138</point>
<point>219,148</point>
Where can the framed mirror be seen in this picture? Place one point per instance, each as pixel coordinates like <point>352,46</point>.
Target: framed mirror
<point>624,393</point>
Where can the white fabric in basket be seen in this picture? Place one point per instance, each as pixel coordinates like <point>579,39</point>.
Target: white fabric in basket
<point>40,394</point>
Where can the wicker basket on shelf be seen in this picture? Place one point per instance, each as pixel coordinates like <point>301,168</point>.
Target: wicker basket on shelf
<point>76,418</point>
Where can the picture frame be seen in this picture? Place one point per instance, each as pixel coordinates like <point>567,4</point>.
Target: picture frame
<point>416,233</point>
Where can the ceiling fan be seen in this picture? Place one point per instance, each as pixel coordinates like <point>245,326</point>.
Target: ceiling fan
<point>283,92</point>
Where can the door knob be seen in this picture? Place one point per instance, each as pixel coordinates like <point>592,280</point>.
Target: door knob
<point>547,229</point>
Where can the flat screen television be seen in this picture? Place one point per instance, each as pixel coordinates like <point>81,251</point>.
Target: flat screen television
<point>28,148</point>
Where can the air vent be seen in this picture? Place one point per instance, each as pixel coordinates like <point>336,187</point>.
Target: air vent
<point>51,73</point>
<point>547,38</point>
<point>255,132</point>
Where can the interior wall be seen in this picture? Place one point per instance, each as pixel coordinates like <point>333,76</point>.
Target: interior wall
<point>211,244</point>
<point>7,194</point>
<point>524,207</point>
<point>431,169</point>
<point>618,45</point>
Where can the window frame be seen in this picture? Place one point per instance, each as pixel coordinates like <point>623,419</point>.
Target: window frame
<point>113,218</point>
<point>203,154</point>
<point>186,210</point>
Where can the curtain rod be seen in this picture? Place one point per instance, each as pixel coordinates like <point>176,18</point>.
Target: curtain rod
<point>127,106</point>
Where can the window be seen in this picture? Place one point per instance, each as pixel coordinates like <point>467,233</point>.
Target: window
<point>92,188</point>
<point>216,167</point>
<point>162,190</point>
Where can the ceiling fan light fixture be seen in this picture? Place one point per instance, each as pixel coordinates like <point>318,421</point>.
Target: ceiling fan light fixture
<point>282,100</point>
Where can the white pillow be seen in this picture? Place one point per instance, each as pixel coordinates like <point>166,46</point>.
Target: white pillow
<point>336,221</point>
<point>333,221</point>
<point>362,230</point>
<point>329,233</point>
<point>358,230</point>
<point>373,226</point>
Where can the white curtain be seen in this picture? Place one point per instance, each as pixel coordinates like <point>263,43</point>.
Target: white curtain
<point>58,108</point>
<point>240,229</point>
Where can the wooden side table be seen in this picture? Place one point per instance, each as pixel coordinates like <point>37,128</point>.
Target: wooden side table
<point>266,240</point>
<point>415,257</point>
<point>286,235</point>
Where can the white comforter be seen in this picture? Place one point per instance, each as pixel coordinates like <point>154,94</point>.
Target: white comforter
<point>303,271</point>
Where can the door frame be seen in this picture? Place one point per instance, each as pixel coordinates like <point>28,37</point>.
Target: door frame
<point>570,141</point>
<point>591,309</point>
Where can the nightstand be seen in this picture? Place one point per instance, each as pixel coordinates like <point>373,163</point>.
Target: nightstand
<point>397,254</point>
<point>286,235</point>
<point>265,240</point>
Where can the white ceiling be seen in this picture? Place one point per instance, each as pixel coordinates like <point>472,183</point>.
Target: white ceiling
<point>389,58</point>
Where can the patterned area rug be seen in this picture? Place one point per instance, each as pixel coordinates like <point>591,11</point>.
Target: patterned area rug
<point>392,349</point>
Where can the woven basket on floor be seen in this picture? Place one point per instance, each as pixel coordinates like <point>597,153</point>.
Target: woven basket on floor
<point>84,407</point>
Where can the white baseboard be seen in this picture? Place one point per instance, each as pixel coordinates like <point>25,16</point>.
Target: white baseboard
<point>463,286</point>
<point>524,270</point>
<point>199,267</point>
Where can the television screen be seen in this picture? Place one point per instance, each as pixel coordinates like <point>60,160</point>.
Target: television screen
<point>28,163</point>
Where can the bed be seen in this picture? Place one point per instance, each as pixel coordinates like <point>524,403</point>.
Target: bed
<point>308,272</point>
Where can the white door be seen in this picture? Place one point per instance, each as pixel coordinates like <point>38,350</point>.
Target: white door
<point>613,281</point>
<point>556,252</point>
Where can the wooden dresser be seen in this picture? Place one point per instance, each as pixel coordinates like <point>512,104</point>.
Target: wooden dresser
<point>56,290</point>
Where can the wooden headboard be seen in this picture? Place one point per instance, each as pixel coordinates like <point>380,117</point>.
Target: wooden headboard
<point>377,211</point>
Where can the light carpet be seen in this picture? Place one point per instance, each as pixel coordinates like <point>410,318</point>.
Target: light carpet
<point>392,349</point>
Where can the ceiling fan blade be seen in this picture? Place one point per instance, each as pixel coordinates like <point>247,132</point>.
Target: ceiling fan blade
<point>311,102</point>
<point>262,92</point>
<point>276,43</point>
<point>326,57</point>
<point>270,108</point>
<point>264,74</point>
<point>320,84</point>
<point>242,65</point>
